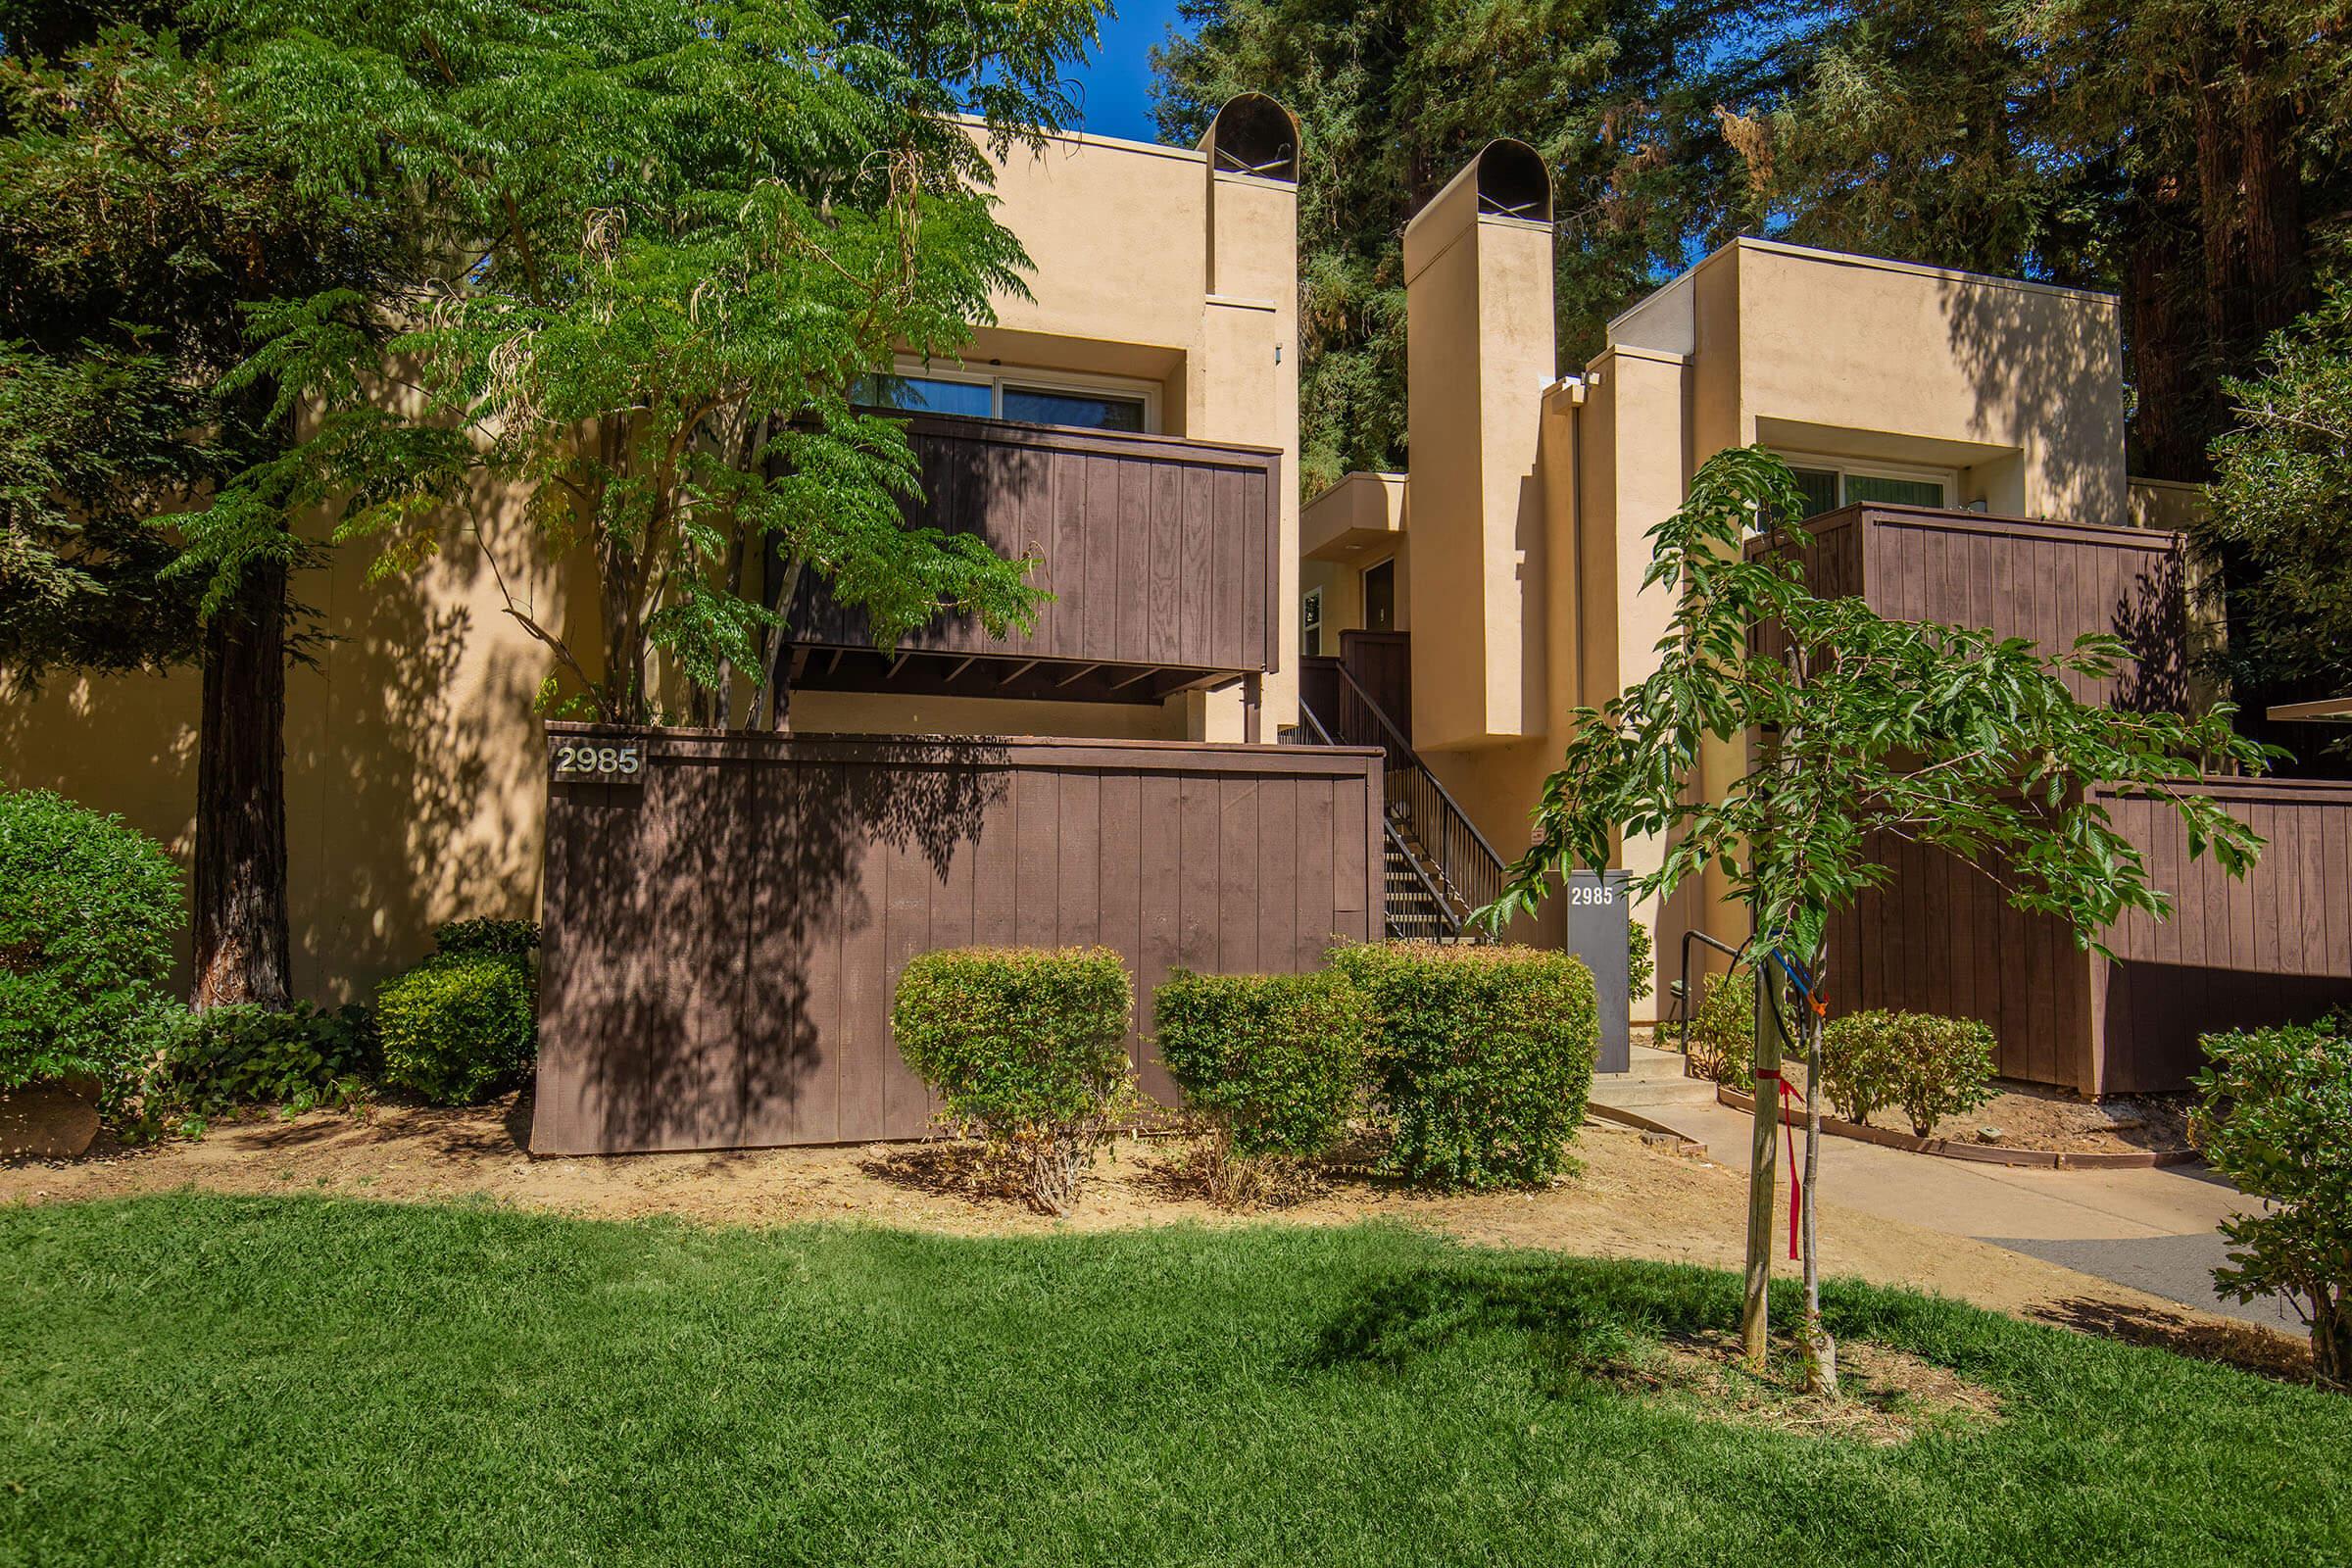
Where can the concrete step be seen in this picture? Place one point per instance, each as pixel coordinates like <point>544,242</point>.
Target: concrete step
<point>1654,1078</point>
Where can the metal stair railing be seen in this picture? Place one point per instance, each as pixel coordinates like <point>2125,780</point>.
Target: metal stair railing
<point>1455,858</point>
<point>1448,919</point>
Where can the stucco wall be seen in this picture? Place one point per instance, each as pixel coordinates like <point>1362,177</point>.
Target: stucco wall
<point>413,765</point>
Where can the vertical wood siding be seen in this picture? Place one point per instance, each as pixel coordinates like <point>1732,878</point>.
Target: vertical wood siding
<point>2275,947</point>
<point>2049,582</point>
<point>1158,551</point>
<point>723,941</point>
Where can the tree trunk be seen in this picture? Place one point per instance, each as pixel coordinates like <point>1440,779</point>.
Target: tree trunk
<point>240,925</point>
<point>2170,419</point>
<point>1821,1350</point>
<point>1763,1146</point>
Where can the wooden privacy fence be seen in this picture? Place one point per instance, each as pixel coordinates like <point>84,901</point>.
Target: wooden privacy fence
<point>723,933</point>
<point>2273,947</point>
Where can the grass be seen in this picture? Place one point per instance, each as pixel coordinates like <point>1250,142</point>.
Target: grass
<point>207,1380</point>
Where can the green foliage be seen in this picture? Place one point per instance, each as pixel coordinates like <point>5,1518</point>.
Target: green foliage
<point>1275,1062</point>
<point>1931,1067</point>
<point>1954,738</point>
<point>88,908</point>
<point>1640,961</point>
<point>2273,535</point>
<point>1027,1045</point>
<point>1482,1058</point>
<point>1723,1031</point>
<point>300,1058</point>
<point>459,1027</point>
<point>2275,1116</point>
<point>501,938</point>
<point>677,235</point>
<point>1395,97</point>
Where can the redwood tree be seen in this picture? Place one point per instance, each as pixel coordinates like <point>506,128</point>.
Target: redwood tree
<point>147,207</point>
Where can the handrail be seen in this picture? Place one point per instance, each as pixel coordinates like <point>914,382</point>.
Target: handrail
<point>1465,872</point>
<point>1446,915</point>
<point>1397,739</point>
<point>1438,900</point>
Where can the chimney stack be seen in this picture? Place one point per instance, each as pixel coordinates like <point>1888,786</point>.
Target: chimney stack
<point>1479,351</point>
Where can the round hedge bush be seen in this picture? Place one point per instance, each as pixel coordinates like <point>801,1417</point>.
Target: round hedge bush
<point>1482,1058</point>
<point>88,907</point>
<point>458,1028</point>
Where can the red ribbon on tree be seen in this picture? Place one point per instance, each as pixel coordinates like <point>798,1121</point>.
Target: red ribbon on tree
<point>1797,1179</point>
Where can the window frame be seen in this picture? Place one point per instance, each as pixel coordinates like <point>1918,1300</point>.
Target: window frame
<point>996,377</point>
<point>1844,469</point>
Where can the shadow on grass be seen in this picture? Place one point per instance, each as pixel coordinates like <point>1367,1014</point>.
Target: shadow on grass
<point>2246,1346</point>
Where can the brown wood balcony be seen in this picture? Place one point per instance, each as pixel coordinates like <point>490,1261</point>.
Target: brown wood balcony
<point>2049,582</point>
<point>1159,552</point>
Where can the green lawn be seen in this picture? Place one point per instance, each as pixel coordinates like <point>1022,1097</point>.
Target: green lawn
<point>208,1380</point>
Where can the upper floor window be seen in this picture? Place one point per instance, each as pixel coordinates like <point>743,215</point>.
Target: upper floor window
<point>1081,402</point>
<point>1829,484</point>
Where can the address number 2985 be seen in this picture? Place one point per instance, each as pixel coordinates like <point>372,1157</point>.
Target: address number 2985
<point>621,762</point>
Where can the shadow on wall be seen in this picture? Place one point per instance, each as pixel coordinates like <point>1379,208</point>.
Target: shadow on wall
<point>2152,619</point>
<point>2050,365</point>
<point>722,949</point>
<point>413,762</point>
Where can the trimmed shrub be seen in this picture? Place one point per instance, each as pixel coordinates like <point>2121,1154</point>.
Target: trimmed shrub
<point>2275,1116</point>
<point>1722,1032</point>
<point>1933,1067</point>
<point>1641,964</point>
<point>88,910</point>
<point>1027,1045</point>
<point>1482,1058</point>
<point>228,1056</point>
<point>1273,1064</point>
<point>458,1028</point>
<point>497,938</point>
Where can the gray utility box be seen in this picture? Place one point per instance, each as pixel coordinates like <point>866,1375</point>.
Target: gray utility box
<point>1599,912</point>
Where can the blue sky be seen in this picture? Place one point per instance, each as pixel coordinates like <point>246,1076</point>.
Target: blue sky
<point>1116,84</point>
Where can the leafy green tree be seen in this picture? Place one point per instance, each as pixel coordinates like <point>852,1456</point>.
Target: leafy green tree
<point>2275,529</point>
<point>1864,726</point>
<point>1395,97</point>
<point>671,239</point>
<point>147,203</point>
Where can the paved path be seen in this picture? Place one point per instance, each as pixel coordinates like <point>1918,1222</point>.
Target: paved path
<point>2154,1230</point>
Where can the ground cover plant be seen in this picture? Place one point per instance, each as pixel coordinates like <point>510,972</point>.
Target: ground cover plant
<point>202,1380</point>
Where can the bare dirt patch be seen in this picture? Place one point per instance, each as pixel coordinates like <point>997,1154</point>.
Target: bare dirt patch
<point>1886,1395</point>
<point>1629,1199</point>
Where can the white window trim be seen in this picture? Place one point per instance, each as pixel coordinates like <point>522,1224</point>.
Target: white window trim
<point>996,378</point>
<point>1846,469</point>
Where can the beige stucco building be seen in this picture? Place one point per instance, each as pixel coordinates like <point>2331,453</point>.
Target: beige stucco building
<point>1512,554</point>
<point>1159,343</point>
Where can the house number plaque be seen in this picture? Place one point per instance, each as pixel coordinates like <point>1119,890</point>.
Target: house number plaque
<point>595,762</point>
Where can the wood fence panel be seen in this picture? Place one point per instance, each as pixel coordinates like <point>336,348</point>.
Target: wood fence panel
<point>723,940</point>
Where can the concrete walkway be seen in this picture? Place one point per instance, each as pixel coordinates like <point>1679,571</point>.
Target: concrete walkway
<point>2154,1230</point>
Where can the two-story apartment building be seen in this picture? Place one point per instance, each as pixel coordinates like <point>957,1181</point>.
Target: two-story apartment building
<point>1134,422</point>
<point>1960,439</point>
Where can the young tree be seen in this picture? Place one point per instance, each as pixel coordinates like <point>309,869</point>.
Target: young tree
<point>674,238</point>
<point>1863,726</point>
<point>144,208</point>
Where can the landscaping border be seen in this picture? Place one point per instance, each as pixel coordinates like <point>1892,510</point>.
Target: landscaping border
<point>1981,1153</point>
